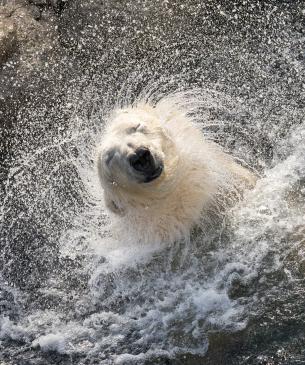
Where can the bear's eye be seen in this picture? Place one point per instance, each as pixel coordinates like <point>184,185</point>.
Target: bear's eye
<point>142,129</point>
<point>139,128</point>
<point>132,129</point>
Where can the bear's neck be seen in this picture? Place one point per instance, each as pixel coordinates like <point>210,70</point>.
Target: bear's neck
<point>171,215</point>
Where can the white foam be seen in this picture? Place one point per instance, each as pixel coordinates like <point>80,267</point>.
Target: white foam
<point>10,330</point>
<point>51,342</point>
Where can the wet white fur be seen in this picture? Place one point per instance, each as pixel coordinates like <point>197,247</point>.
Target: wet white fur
<point>198,176</point>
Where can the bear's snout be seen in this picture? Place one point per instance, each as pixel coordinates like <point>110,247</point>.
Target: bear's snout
<point>144,162</point>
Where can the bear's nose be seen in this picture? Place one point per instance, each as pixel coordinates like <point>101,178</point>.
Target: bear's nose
<point>142,160</point>
<point>144,163</point>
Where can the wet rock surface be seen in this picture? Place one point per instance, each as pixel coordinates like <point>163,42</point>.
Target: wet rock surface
<point>52,52</point>
<point>28,39</point>
<point>33,34</point>
<point>8,37</point>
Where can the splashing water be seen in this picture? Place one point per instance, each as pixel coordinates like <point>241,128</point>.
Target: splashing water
<point>127,303</point>
<point>71,293</point>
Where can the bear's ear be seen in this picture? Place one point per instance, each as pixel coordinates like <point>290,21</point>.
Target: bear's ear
<point>113,206</point>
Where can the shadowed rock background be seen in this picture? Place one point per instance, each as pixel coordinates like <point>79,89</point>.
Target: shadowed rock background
<point>50,50</point>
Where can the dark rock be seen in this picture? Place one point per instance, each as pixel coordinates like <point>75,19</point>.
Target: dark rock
<point>8,39</point>
<point>39,2</point>
<point>21,23</point>
<point>36,12</point>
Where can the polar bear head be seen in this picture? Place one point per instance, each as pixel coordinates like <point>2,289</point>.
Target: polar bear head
<point>137,159</point>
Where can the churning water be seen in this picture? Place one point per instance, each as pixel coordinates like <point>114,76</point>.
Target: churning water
<point>234,294</point>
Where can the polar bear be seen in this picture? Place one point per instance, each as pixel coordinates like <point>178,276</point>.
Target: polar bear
<point>159,174</point>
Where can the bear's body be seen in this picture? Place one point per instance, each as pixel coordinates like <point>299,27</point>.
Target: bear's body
<point>196,176</point>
